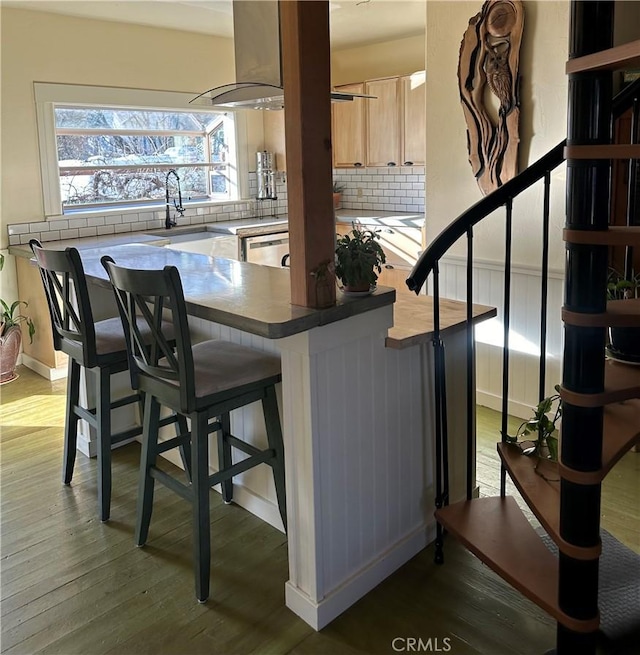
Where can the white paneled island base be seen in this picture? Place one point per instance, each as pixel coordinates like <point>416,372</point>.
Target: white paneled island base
<point>358,465</point>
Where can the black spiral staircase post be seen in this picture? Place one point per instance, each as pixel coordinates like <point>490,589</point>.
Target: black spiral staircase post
<point>589,109</point>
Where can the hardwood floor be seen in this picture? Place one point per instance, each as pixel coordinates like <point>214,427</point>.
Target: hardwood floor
<point>71,585</point>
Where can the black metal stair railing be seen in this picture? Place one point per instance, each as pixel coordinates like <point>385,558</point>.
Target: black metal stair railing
<point>428,265</point>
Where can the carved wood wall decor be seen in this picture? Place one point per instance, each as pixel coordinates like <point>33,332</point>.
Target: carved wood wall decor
<point>488,62</point>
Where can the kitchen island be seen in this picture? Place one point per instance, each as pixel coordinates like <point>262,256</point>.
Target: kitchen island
<point>357,418</point>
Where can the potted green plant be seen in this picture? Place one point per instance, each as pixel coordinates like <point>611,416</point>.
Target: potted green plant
<point>359,259</point>
<point>545,444</point>
<point>337,194</point>
<point>624,342</point>
<point>11,335</point>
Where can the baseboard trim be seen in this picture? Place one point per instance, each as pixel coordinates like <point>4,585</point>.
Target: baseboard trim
<point>517,409</point>
<point>45,371</point>
<point>320,614</point>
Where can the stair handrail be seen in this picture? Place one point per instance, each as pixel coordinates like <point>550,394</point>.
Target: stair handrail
<point>460,226</point>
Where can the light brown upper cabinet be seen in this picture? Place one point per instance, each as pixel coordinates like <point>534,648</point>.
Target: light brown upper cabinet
<point>386,131</point>
<point>414,118</point>
<point>383,120</point>
<point>348,135</point>
<point>273,125</point>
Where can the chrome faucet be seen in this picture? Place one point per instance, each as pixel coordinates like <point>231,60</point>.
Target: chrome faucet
<point>168,222</point>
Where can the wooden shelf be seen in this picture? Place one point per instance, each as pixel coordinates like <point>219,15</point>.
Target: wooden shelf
<point>498,533</point>
<point>614,236</point>
<point>621,382</point>
<point>626,55</point>
<point>620,313</point>
<point>607,151</point>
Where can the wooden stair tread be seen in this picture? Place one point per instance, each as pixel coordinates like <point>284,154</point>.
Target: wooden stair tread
<point>622,56</point>
<point>620,313</point>
<point>603,151</point>
<point>613,236</point>
<point>621,382</point>
<point>540,488</point>
<point>621,431</point>
<point>498,533</point>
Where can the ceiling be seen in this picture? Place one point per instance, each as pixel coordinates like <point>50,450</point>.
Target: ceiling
<point>353,22</point>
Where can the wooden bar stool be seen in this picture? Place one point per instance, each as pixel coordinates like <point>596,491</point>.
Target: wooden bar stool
<point>97,346</point>
<point>202,382</point>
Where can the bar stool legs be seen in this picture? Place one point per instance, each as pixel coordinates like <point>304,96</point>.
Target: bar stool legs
<point>147,461</point>
<point>224,455</point>
<point>200,506</point>
<point>71,421</point>
<point>274,438</point>
<point>101,422</point>
<point>103,435</point>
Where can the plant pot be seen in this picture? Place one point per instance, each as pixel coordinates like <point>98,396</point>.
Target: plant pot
<point>337,200</point>
<point>10,342</point>
<point>363,287</point>
<point>624,344</point>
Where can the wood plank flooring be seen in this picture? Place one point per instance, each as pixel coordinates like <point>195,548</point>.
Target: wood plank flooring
<point>71,585</point>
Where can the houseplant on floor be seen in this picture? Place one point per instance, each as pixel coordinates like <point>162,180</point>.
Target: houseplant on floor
<point>11,335</point>
<point>545,443</point>
<point>624,342</point>
<point>359,259</point>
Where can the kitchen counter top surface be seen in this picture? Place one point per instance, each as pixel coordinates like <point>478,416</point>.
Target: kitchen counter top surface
<point>249,297</point>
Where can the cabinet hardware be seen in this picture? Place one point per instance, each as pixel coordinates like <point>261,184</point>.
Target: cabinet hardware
<point>408,163</point>
<point>391,163</point>
<point>357,164</point>
<point>389,266</point>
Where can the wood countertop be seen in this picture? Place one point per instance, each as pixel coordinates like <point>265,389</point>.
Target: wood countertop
<point>413,319</point>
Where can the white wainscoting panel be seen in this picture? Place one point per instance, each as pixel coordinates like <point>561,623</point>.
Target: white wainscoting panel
<point>524,332</point>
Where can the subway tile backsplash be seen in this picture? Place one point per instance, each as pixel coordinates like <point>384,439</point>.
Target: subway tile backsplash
<point>382,189</point>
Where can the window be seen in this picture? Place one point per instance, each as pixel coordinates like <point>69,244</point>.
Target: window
<point>110,156</point>
<point>108,147</point>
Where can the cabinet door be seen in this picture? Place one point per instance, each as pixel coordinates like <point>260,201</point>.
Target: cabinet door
<point>383,129</point>
<point>273,125</point>
<point>414,115</point>
<point>347,138</point>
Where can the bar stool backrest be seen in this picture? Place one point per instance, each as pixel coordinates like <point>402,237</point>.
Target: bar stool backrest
<point>65,287</point>
<point>145,298</point>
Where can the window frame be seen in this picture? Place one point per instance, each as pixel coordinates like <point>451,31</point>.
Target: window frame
<point>47,96</point>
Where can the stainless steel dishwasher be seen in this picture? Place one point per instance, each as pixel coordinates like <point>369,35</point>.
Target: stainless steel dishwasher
<point>265,249</point>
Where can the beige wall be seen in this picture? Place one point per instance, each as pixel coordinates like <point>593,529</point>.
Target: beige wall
<point>397,57</point>
<point>450,185</point>
<point>42,47</point>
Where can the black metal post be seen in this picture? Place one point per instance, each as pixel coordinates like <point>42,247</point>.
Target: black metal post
<point>506,320</point>
<point>588,182</point>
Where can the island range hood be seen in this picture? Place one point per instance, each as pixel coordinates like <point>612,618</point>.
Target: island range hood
<point>256,35</point>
